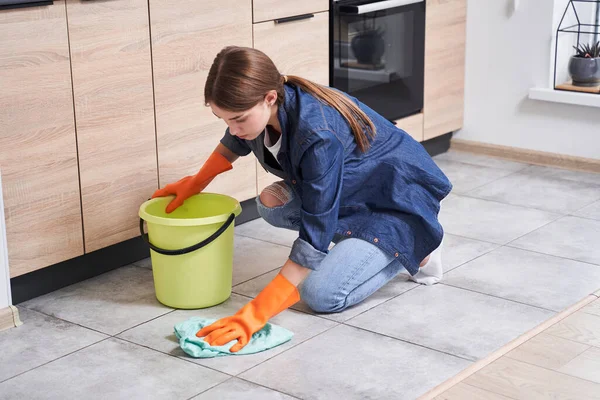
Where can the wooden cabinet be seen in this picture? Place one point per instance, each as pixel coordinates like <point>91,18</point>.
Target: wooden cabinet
<point>186,37</point>
<point>114,114</point>
<point>297,47</point>
<point>413,125</point>
<point>444,66</point>
<point>265,10</point>
<point>101,102</point>
<point>38,152</point>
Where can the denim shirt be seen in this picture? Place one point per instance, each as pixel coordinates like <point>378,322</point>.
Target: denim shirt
<point>389,196</point>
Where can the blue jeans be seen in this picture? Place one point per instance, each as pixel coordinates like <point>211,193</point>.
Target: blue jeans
<point>352,271</point>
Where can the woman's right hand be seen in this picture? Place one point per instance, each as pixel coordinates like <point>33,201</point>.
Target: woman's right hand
<point>182,190</point>
<point>190,185</point>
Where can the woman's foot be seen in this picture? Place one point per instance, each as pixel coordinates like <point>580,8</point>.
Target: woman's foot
<point>431,269</point>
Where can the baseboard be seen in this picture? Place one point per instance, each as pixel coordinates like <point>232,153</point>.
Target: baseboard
<point>527,156</point>
<point>57,276</point>
<point>9,318</point>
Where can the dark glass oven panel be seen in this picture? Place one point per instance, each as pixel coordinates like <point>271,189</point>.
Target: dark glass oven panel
<point>378,56</point>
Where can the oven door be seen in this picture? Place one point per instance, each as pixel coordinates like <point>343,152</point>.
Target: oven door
<point>377,51</point>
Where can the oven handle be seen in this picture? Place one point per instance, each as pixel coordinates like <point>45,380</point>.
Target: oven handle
<point>376,6</point>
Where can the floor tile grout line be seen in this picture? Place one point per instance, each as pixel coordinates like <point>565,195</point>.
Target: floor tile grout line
<point>583,217</point>
<point>498,246</point>
<point>210,388</point>
<point>67,321</point>
<point>501,298</point>
<point>257,276</point>
<point>380,304</point>
<point>409,342</point>
<point>549,369</point>
<point>587,205</point>
<point>512,246</point>
<point>470,238</point>
<point>336,324</point>
<point>145,322</point>
<point>534,230</point>
<point>563,213</point>
<point>490,182</point>
<point>262,240</point>
<point>270,388</point>
<point>505,204</point>
<point>174,356</point>
<point>58,358</point>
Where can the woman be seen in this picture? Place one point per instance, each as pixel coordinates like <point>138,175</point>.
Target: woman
<point>349,176</point>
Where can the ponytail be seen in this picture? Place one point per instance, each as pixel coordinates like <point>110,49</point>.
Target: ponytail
<point>361,125</point>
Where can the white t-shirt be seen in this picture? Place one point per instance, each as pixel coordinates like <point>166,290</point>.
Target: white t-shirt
<point>272,147</point>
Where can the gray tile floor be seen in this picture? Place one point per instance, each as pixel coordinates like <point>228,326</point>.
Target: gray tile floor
<point>521,245</point>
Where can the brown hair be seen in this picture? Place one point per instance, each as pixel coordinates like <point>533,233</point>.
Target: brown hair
<point>240,77</point>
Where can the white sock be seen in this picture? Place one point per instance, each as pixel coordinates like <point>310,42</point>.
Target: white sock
<point>431,272</point>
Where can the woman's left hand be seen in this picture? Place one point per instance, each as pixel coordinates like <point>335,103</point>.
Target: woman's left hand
<point>277,296</point>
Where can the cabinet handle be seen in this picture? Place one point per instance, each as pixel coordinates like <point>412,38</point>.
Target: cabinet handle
<point>294,18</point>
<point>5,5</point>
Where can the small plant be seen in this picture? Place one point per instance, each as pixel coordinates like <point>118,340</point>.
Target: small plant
<point>587,50</point>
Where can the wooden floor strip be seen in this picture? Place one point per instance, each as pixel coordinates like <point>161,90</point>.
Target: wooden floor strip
<point>444,386</point>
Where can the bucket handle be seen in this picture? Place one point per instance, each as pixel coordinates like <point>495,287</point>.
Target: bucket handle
<point>189,249</point>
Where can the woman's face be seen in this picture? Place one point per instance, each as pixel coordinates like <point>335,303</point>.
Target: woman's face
<point>249,124</point>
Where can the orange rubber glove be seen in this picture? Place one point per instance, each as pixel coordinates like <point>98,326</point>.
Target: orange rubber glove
<point>278,295</point>
<point>194,184</point>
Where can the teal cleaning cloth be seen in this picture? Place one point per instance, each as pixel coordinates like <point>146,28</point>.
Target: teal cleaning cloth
<point>268,337</point>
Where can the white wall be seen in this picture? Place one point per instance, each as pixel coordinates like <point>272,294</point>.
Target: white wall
<point>506,55</point>
<point>5,297</point>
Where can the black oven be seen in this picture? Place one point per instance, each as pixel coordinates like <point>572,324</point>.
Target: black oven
<point>377,51</point>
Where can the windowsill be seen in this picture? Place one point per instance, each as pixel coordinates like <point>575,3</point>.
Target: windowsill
<point>563,96</point>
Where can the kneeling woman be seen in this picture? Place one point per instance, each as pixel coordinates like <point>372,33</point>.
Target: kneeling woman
<point>349,176</point>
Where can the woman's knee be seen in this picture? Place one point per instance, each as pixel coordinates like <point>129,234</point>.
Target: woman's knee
<point>320,298</point>
<point>277,206</point>
<point>269,200</point>
<point>275,195</point>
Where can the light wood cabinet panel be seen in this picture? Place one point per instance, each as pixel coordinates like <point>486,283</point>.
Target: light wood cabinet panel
<point>444,66</point>
<point>265,10</point>
<point>114,110</point>
<point>38,153</point>
<point>413,125</point>
<point>297,47</point>
<point>186,37</point>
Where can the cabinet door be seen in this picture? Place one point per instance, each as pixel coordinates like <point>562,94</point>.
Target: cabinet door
<point>412,125</point>
<point>297,47</point>
<point>186,37</point>
<point>114,110</point>
<point>444,66</point>
<point>265,10</point>
<point>38,153</point>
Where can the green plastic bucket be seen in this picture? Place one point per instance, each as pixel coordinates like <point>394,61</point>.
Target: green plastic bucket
<point>191,249</point>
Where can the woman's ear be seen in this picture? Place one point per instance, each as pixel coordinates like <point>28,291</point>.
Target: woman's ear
<point>271,97</point>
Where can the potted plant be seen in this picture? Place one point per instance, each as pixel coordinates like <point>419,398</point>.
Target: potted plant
<point>368,44</point>
<point>584,65</point>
